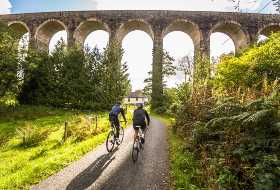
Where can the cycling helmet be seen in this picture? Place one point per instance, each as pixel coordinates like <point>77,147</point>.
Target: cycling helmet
<point>139,105</point>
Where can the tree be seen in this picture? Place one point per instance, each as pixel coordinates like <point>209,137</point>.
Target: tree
<point>168,69</point>
<point>70,77</point>
<point>9,61</point>
<point>276,3</point>
<point>250,70</point>
<point>116,83</point>
<point>186,65</point>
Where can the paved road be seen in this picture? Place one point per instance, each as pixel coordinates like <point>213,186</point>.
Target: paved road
<point>99,170</point>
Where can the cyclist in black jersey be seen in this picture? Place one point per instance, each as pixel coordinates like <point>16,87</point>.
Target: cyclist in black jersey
<point>140,116</point>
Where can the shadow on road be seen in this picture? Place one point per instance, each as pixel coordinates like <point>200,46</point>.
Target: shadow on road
<point>90,174</point>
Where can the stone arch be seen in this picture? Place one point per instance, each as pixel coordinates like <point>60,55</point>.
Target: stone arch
<point>20,28</point>
<point>88,26</point>
<point>46,30</point>
<point>131,25</point>
<point>234,31</point>
<point>269,28</point>
<point>187,27</point>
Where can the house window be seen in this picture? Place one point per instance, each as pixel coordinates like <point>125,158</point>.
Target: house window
<point>136,99</point>
<point>128,99</point>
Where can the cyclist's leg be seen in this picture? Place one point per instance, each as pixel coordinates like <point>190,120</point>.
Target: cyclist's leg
<point>136,132</point>
<point>117,124</point>
<point>143,128</point>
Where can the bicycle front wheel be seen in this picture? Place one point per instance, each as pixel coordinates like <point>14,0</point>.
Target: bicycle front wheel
<point>121,134</point>
<point>110,142</point>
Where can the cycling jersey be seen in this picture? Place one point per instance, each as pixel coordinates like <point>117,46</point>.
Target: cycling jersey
<point>139,116</point>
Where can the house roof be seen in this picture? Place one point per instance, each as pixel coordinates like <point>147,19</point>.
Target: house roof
<point>135,95</point>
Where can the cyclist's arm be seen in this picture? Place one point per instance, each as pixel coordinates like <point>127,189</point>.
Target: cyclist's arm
<point>147,116</point>
<point>123,114</point>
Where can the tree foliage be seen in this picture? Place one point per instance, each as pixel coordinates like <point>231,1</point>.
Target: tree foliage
<point>276,3</point>
<point>168,69</point>
<point>72,78</point>
<point>241,144</point>
<point>234,132</point>
<point>186,65</point>
<point>9,61</point>
<point>251,70</point>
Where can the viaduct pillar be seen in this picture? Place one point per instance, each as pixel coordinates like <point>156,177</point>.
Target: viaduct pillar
<point>157,77</point>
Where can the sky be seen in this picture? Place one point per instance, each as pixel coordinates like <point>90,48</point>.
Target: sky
<point>137,44</point>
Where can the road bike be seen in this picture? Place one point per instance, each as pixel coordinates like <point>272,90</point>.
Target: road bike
<point>112,137</point>
<point>138,144</point>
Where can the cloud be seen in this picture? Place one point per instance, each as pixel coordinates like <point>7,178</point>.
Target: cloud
<point>5,7</point>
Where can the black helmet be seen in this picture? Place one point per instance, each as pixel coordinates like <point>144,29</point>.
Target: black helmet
<point>139,105</point>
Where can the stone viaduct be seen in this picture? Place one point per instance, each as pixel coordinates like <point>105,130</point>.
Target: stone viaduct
<point>242,28</point>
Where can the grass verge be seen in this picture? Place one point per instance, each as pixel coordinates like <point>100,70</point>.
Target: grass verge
<point>22,166</point>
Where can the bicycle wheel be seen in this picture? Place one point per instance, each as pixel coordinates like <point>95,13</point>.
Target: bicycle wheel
<point>135,150</point>
<point>121,134</point>
<point>110,142</point>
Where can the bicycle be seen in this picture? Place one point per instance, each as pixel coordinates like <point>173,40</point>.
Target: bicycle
<point>138,145</point>
<point>112,137</point>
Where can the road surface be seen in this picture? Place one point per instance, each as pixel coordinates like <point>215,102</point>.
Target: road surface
<point>99,170</point>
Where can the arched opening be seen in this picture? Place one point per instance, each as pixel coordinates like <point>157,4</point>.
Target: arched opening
<point>91,33</point>
<point>261,38</point>
<point>226,38</point>
<point>220,44</point>
<point>22,34</point>
<point>138,48</point>
<point>182,39</point>
<point>189,28</point>
<point>266,31</point>
<point>134,25</point>
<point>136,37</point>
<point>50,32</point>
<point>234,31</point>
<point>98,39</point>
<point>59,37</point>
<point>180,47</point>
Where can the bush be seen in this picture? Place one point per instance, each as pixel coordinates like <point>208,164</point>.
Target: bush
<point>240,139</point>
<point>31,135</point>
<point>83,128</point>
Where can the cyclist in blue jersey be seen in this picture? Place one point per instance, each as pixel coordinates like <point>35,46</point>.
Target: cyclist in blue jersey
<point>113,116</point>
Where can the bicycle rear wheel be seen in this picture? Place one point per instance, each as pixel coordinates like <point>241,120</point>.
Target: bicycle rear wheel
<point>110,142</point>
<point>135,150</point>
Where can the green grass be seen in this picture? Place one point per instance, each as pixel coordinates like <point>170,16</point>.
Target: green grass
<point>183,164</point>
<point>22,166</point>
<point>184,168</point>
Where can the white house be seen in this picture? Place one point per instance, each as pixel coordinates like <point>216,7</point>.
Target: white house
<point>135,98</point>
